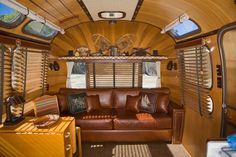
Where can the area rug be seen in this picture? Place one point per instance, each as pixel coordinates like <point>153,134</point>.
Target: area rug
<point>133,150</point>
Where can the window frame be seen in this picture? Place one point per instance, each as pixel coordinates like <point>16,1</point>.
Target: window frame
<point>199,30</point>
<point>38,36</point>
<point>16,23</point>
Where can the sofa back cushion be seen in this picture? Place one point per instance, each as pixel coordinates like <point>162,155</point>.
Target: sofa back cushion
<point>162,103</point>
<point>105,94</point>
<point>120,96</point>
<point>132,103</point>
<point>92,103</point>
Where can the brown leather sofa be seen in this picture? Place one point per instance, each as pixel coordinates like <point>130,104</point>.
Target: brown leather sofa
<point>114,123</point>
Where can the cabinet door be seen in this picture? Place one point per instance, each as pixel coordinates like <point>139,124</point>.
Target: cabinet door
<point>32,145</point>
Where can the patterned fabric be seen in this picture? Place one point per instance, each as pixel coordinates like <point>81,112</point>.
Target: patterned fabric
<point>76,103</point>
<point>148,102</point>
<point>46,105</point>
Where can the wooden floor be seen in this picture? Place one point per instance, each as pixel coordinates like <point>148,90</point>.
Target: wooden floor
<point>133,150</point>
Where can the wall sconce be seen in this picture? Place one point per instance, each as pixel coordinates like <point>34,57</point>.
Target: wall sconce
<point>171,65</point>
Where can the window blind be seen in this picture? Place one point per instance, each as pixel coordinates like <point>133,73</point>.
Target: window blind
<point>196,78</point>
<point>18,70</point>
<point>127,74</point>
<point>2,49</point>
<point>114,75</point>
<point>37,63</point>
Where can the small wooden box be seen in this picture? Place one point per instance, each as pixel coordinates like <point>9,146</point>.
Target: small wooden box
<point>26,140</point>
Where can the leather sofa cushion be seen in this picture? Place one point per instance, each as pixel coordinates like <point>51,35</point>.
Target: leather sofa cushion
<point>120,96</point>
<point>95,120</point>
<point>132,103</point>
<point>105,96</point>
<point>127,120</point>
<point>92,103</point>
<point>62,102</point>
<point>162,103</point>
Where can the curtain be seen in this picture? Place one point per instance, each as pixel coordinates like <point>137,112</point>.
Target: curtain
<point>69,71</point>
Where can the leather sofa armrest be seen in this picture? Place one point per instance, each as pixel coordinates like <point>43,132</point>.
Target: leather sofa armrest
<point>177,113</point>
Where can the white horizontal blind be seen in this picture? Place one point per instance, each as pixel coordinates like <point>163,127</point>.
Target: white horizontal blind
<point>196,78</point>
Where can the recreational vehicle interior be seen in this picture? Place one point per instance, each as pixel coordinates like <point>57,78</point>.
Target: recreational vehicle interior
<point>117,78</point>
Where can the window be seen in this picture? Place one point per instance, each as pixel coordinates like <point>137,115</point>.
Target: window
<point>187,28</point>
<point>39,29</point>
<point>151,75</point>
<point>9,17</point>
<point>114,75</point>
<point>36,76</point>
<point>1,80</point>
<point>78,75</point>
<point>24,71</point>
<point>196,78</point>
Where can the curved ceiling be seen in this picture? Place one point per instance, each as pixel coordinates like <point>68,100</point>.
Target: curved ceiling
<point>146,36</point>
<point>209,14</point>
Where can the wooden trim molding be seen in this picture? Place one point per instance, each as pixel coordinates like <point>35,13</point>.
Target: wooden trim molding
<point>192,43</point>
<point>139,4</point>
<point>8,38</point>
<point>220,37</point>
<point>83,6</point>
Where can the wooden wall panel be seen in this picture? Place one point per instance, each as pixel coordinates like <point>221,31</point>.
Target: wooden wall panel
<point>198,129</point>
<point>57,79</point>
<point>170,78</point>
<point>146,36</point>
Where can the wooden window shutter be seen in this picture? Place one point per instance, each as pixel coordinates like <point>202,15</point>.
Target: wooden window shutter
<point>196,78</point>
<point>37,63</point>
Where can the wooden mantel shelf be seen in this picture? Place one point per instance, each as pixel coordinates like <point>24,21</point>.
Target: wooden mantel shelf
<point>112,59</point>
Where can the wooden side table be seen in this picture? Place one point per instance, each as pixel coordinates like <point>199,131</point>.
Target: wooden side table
<point>26,140</point>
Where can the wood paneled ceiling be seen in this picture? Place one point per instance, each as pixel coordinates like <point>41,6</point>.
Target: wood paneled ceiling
<point>209,14</point>
<point>146,36</point>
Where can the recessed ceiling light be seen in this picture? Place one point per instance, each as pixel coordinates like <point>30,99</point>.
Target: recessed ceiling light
<point>111,14</point>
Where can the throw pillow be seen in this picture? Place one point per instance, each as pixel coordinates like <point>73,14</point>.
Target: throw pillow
<point>162,103</point>
<point>148,102</point>
<point>46,104</point>
<point>92,102</point>
<point>132,103</point>
<point>76,103</point>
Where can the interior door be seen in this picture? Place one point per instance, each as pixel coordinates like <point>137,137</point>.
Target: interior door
<point>227,45</point>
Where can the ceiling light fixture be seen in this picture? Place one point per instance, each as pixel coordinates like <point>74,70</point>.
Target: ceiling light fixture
<point>29,13</point>
<point>112,14</point>
<point>174,23</point>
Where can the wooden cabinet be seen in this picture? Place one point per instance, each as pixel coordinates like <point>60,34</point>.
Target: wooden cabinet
<point>26,140</point>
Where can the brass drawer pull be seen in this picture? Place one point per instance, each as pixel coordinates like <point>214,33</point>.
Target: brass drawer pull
<point>68,147</point>
<point>67,135</point>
